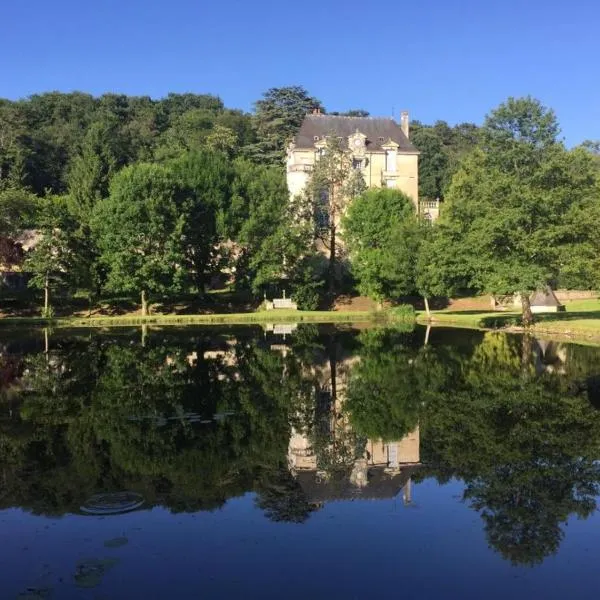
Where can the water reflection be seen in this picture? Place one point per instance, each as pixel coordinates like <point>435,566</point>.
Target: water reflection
<point>303,417</point>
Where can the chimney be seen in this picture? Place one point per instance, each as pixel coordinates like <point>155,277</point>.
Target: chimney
<point>404,122</point>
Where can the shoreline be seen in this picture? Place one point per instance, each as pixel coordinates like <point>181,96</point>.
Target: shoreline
<point>576,329</point>
<point>263,317</point>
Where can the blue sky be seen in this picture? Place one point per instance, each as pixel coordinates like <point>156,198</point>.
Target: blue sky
<point>440,59</point>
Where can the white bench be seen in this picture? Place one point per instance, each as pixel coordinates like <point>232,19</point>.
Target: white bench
<point>286,303</point>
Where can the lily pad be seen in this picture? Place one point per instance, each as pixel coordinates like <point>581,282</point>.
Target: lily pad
<point>116,542</point>
<point>90,572</point>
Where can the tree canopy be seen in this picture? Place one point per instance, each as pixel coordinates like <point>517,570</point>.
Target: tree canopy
<point>382,233</point>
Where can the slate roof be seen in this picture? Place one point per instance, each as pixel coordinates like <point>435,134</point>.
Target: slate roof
<point>381,485</point>
<point>544,298</point>
<point>377,129</point>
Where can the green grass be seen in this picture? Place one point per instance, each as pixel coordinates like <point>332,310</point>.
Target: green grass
<point>581,318</point>
<point>277,316</point>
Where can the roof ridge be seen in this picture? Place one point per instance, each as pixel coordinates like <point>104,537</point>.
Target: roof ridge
<point>372,117</point>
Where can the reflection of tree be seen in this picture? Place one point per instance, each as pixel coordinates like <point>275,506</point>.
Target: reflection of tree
<point>186,423</point>
<point>390,384</point>
<point>190,421</point>
<point>282,499</point>
<point>524,447</point>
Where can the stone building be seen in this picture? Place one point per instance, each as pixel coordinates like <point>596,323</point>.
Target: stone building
<point>379,147</point>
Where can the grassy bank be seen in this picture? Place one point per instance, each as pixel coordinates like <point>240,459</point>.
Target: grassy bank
<point>262,317</point>
<point>580,319</point>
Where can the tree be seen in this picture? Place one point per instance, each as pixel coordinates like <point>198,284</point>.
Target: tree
<point>139,230</point>
<point>354,112</point>
<point>204,179</point>
<point>91,169</point>
<point>17,212</point>
<point>273,239</point>
<point>18,208</point>
<point>53,261</point>
<point>278,116</point>
<point>382,234</point>
<point>433,162</point>
<point>508,206</point>
<point>442,149</point>
<point>222,139</point>
<point>334,183</point>
<point>441,268</point>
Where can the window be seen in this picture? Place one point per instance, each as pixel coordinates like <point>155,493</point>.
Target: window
<point>357,163</point>
<point>390,161</point>
<point>390,183</point>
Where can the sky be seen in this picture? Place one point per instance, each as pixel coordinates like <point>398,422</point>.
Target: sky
<point>453,60</point>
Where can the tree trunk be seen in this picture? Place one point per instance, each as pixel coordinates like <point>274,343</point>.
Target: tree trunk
<point>46,296</point>
<point>527,314</point>
<point>427,332</point>
<point>332,259</point>
<point>526,355</point>
<point>144,335</point>
<point>144,304</point>
<point>426,300</point>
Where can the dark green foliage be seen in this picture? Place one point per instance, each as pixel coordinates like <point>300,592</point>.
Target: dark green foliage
<point>442,150</point>
<point>382,234</point>
<point>205,180</point>
<point>516,212</point>
<point>54,261</point>
<point>139,230</point>
<point>278,116</point>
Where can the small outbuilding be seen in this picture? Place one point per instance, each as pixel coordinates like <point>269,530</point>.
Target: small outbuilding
<point>545,301</point>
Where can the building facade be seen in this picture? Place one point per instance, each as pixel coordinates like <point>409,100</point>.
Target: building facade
<point>378,146</point>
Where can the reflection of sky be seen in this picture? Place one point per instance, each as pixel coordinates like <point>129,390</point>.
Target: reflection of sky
<point>360,549</point>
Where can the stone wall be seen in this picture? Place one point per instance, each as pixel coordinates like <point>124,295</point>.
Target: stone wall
<point>576,294</point>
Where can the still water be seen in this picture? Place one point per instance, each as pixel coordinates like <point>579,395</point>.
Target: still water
<point>299,462</point>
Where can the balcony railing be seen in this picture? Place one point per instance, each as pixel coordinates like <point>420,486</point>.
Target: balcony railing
<point>435,204</point>
<point>300,168</point>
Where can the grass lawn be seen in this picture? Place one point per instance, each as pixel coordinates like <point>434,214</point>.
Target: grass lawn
<point>581,318</point>
<point>273,316</point>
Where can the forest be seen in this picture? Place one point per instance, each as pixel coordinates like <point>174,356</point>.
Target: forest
<point>163,198</point>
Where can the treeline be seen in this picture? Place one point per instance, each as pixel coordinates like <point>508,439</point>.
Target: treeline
<point>160,197</point>
<point>48,141</point>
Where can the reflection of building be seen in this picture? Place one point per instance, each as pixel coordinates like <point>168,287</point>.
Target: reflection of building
<point>384,470</point>
<point>354,468</point>
<point>550,357</point>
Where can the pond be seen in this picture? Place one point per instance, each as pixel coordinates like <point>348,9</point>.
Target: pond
<point>298,462</point>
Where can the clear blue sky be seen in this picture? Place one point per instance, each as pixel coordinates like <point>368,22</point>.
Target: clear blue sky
<point>440,59</point>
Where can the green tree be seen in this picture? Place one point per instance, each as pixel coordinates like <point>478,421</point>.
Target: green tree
<point>382,234</point>
<point>508,205</point>
<point>139,230</point>
<point>273,240</point>
<point>433,162</point>
<point>91,169</point>
<point>18,208</point>
<point>278,116</point>
<point>333,185</point>
<point>53,261</point>
<point>204,179</point>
